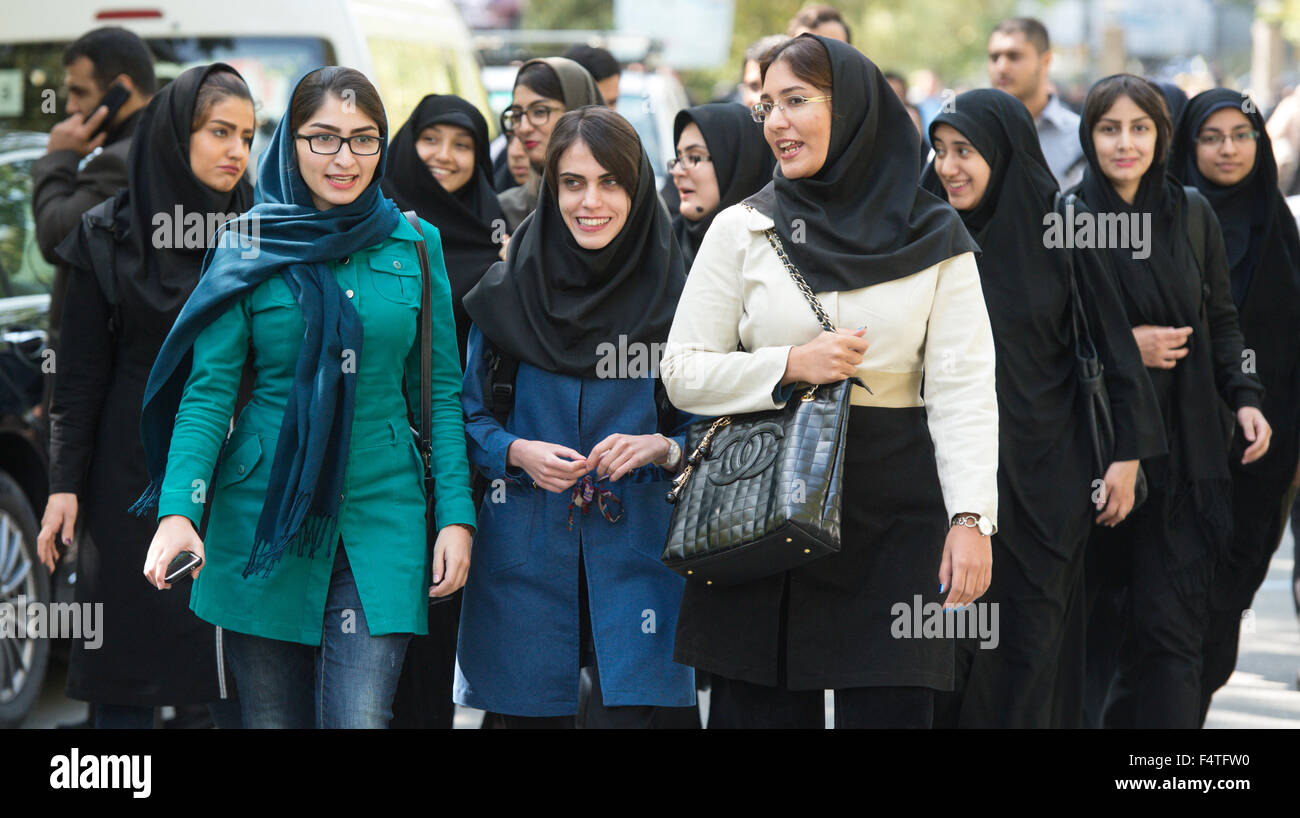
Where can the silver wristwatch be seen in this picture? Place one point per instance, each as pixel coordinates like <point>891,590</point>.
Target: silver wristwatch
<point>674,453</point>
<point>976,521</point>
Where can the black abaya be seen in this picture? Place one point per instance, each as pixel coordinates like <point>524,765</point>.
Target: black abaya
<point>1167,551</point>
<point>1263,253</point>
<point>155,651</point>
<point>1045,469</point>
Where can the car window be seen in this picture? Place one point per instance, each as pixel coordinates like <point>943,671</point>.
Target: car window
<point>23,270</point>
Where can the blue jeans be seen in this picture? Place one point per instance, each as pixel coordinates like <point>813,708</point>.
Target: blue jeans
<point>348,681</point>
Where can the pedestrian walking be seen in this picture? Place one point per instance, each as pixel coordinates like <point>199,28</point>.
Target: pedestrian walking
<point>580,459</point>
<point>316,565</point>
<point>1158,565</point>
<point>989,166</point>
<point>895,270</point>
<point>129,279</point>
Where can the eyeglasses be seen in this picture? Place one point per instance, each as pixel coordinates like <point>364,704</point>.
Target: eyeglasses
<point>328,144</point>
<point>688,161</point>
<point>792,105</point>
<point>1215,139</point>
<point>538,114</point>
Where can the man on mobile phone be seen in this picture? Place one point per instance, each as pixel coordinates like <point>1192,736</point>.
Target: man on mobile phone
<point>64,184</point>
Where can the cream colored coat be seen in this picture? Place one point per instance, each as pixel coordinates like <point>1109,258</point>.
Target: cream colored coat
<point>929,327</point>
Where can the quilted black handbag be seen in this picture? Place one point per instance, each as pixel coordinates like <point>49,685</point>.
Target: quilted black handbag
<point>760,492</point>
<point>1092,384</point>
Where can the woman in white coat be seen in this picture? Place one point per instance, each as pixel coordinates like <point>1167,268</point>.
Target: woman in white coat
<point>895,270</point>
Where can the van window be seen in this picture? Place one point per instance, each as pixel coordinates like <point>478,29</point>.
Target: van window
<point>31,74</point>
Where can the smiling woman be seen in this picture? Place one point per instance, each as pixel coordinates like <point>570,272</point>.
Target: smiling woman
<point>594,268</point>
<point>317,531</point>
<point>1178,302</point>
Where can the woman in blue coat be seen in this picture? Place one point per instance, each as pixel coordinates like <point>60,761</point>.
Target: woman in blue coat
<point>567,571</point>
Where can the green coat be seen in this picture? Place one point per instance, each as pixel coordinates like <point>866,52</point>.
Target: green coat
<point>381,517</point>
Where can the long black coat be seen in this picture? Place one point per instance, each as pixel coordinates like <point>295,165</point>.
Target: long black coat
<point>155,651</point>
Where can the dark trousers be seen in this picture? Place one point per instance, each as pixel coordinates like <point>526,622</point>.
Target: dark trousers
<point>1147,627</point>
<point>423,699</point>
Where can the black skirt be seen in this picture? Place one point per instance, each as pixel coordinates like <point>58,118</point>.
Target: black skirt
<point>840,625</point>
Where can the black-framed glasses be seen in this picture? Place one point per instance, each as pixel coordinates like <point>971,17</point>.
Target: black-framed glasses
<point>538,114</point>
<point>793,104</point>
<point>688,161</point>
<point>328,144</point>
<point>1214,139</point>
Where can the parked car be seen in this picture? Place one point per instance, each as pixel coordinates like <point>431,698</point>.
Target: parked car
<point>25,278</point>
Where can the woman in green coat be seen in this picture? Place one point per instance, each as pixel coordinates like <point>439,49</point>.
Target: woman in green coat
<point>324,308</point>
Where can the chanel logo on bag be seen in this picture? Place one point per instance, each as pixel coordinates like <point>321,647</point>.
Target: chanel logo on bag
<point>746,454</point>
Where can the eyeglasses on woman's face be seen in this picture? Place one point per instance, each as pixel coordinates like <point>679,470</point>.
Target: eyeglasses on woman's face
<point>327,144</point>
<point>792,105</point>
<point>1213,139</point>
<point>538,114</point>
<point>689,161</point>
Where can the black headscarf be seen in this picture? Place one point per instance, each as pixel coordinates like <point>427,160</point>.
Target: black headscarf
<point>1165,289</point>
<point>1175,98</point>
<point>159,181</point>
<point>862,219</point>
<point>741,159</point>
<point>1263,251</point>
<point>468,219</point>
<point>552,303</point>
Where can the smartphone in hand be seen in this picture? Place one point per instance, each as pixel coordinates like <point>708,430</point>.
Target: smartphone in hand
<point>114,98</point>
<point>183,563</point>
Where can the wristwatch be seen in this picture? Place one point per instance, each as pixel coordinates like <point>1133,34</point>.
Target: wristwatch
<point>674,453</point>
<point>976,521</point>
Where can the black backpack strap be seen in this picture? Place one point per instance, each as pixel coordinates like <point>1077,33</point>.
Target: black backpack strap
<point>101,240</point>
<point>499,385</point>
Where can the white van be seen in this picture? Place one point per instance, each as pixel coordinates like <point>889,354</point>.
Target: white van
<point>408,48</point>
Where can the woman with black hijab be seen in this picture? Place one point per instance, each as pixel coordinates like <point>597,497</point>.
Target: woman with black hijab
<point>439,167</point>
<point>988,164</point>
<point>721,159</point>
<point>567,556</point>
<point>133,274</point>
<point>544,89</point>
<point>894,268</point>
<point>1222,148</point>
<point>1173,280</point>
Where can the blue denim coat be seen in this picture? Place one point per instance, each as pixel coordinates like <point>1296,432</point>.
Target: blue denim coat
<point>519,626</point>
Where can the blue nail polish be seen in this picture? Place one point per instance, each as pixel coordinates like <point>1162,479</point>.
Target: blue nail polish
<point>941,587</point>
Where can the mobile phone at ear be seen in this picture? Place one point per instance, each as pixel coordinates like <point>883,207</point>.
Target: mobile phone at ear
<point>181,565</point>
<point>115,98</point>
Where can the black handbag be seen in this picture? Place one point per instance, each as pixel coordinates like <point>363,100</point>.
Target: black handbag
<point>1093,396</point>
<point>760,492</point>
<point>424,437</point>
